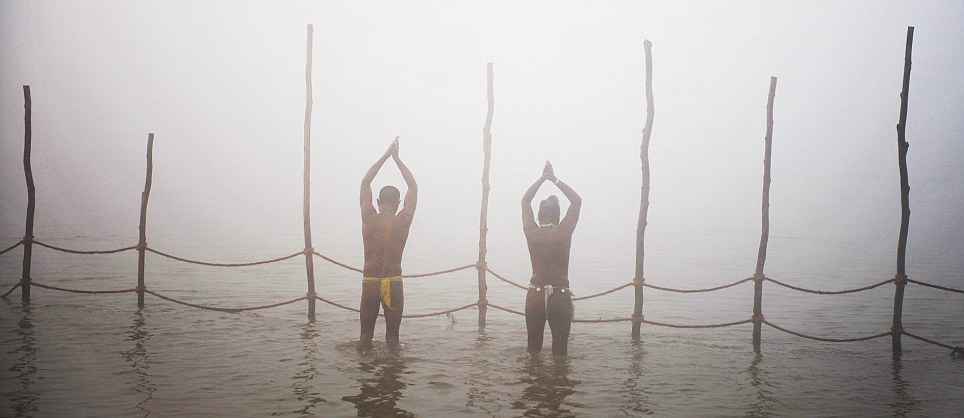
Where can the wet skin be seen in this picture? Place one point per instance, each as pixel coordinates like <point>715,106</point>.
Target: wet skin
<point>384,233</point>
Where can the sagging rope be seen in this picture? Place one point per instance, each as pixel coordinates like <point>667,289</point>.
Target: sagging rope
<point>228,310</point>
<point>62,289</point>
<point>15,286</point>
<point>603,293</point>
<point>497,276</point>
<point>639,319</point>
<point>206,263</point>
<point>708,289</point>
<point>68,250</point>
<point>828,292</point>
<point>935,286</point>
<point>954,350</point>
<point>825,339</point>
<point>11,247</point>
<point>422,315</point>
<point>407,276</point>
<point>338,263</point>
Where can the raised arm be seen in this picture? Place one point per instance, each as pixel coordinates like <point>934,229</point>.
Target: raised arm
<point>528,218</point>
<point>575,205</point>
<point>365,199</point>
<point>411,195</point>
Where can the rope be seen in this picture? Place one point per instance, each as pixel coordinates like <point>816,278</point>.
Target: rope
<point>936,286</point>
<point>205,263</point>
<point>505,309</point>
<point>441,312</point>
<point>336,304</point>
<point>11,290</point>
<point>604,292</point>
<point>67,250</point>
<point>939,344</point>
<point>229,310</point>
<point>721,325</point>
<point>830,292</point>
<point>829,340</point>
<point>11,247</point>
<point>47,286</point>
<point>497,276</point>
<point>435,273</point>
<point>338,263</point>
<point>709,289</point>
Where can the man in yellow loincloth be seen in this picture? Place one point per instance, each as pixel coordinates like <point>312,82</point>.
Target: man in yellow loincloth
<point>384,232</point>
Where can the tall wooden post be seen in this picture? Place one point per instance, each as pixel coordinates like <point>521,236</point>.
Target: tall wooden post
<point>901,278</point>
<point>644,195</point>
<point>483,221</point>
<point>309,257</point>
<point>31,195</point>
<point>765,229</point>
<point>142,241</point>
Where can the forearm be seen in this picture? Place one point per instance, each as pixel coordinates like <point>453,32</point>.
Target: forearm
<point>406,174</point>
<point>531,192</point>
<point>568,192</point>
<point>373,170</point>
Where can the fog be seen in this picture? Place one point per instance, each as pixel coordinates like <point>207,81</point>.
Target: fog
<point>222,85</point>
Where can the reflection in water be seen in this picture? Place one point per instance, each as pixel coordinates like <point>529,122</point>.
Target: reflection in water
<point>904,403</point>
<point>764,401</point>
<point>139,359</point>
<point>481,395</point>
<point>303,387</point>
<point>548,386</point>
<point>24,366</point>
<point>635,389</point>
<point>381,388</point>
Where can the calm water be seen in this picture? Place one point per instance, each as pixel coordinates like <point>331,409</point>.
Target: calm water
<point>80,355</point>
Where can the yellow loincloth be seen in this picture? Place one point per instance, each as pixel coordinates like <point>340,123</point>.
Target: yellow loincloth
<point>385,290</point>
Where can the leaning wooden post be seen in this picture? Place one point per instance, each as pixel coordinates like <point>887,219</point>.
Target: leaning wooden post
<point>309,250</point>
<point>31,195</point>
<point>142,241</point>
<point>761,257</point>
<point>901,278</point>
<point>644,195</point>
<point>483,221</point>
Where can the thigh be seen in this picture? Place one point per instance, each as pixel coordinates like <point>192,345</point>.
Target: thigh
<point>535,307</point>
<point>397,291</point>
<point>560,311</point>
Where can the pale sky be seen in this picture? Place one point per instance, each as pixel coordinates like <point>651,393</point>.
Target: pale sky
<point>222,86</point>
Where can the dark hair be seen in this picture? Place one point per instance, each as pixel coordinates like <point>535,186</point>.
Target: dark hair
<point>389,195</point>
<point>549,211</point>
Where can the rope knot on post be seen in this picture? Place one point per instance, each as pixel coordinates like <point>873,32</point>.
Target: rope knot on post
<point>481,265</point>
<point>757,319</point>
<point>308,251</point>
<point>639,281</point>
<point>896,330</point>
<point>311,295</point>
<point>140,288</point>
<point>637,318</point>
<point>141,246</point>
<point>482,302</point>
<point>27,239</point>
<point>900,279</point>
<point>759,277</point>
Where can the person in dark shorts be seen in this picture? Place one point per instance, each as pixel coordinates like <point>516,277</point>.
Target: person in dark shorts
<point>549,240</point>
<point>384,233</point>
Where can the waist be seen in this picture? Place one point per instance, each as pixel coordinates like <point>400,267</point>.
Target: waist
<point>554,281</point>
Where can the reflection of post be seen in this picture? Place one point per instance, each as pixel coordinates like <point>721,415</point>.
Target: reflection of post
<point>644,195</point>
<point>764,403</point>
<point>303,380</point>
<point>905,402</point>
<point>483,222</point>
<point>309,257</point>
<point>636,385</point>
<point>24,366</point>
<point>142,242</point>
<point>765,229</point>
<point>379,394</point>
<point>31,193</point>
<point>901,278</point>
<point>138,358</point>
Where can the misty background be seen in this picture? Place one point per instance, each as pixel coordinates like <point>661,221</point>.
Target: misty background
<point>222,85</point>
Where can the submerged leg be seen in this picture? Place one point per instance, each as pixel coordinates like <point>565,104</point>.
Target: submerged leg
<point>535,318</point>
<point>393,317</point>
<point>368,313</point>
<point>560,320</point>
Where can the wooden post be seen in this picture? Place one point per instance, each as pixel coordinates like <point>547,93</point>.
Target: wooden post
<point>309,257</point>
<point>31,196</point>
<point>901,278</point>
<point>765,229</point>
<point>483,221</point>
<point>142,241</point>
<point>644,195</point>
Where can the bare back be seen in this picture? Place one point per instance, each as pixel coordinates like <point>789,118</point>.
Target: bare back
<point>384,235</point>
<point>549,254</point>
